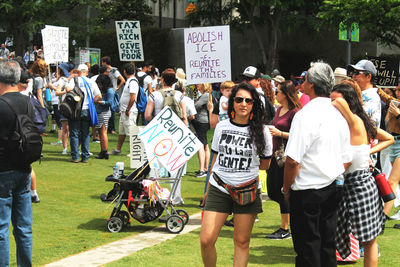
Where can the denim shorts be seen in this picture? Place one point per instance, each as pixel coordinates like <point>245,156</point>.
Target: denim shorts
<point>221,202</point>
<point>395,150</point>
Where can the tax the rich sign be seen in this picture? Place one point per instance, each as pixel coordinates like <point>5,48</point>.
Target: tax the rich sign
<point>387,71</point>
<point>167,139</point>
<point>129,40</point>
<point>207,54</point>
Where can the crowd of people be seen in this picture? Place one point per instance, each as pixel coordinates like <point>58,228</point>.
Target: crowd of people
<point>317,135</point>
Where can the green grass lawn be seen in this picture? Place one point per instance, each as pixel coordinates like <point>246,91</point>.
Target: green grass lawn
<point>71,218</point>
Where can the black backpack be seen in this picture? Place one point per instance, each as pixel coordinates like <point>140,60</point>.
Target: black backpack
<point>71,107</point>
<point>25,143</point>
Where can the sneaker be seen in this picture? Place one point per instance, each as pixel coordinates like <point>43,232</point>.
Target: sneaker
<point>201,174</point>
<point>35,199</point>
<point>396,226</point>
<point>84,161</point>
<point>115,152</point>
<point>396,216</point>
<point>73,160</point>
<point>96,141</point>
<point>65,151</point>
<point>229,223</point>
<point>56,143</point>
<point>279,234</point>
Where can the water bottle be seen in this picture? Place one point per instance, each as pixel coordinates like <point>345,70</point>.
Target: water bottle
<point>115,172</point>
<point>120,167</point>
<point>48,95</point>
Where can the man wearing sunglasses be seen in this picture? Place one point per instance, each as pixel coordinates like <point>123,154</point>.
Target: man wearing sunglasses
<point>363,73</point>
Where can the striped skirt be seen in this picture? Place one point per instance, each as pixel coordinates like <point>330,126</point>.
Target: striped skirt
<point>360,211</point>
<point>104,117</point>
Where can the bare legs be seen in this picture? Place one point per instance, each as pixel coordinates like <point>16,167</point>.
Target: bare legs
<point>370,253</point>
<point>65,134</point>
<point>285,221</point>
<point>204,157</point>
<point>211,226</point>
<point>394,179</point>
<point>103,138</point>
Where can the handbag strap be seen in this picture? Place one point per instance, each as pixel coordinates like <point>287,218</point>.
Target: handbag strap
<point>219,181</point>
<point>88,91</point>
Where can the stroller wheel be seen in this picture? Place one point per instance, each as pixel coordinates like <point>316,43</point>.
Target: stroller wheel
<point>114,225</point>
<point>174,224</point>
<point>183,214</point>
<point>124,216</point>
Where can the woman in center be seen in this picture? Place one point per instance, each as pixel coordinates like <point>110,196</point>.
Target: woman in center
<point>242,146</point>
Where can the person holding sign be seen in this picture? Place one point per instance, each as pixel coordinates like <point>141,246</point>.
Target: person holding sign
<point>242,146</point>
<point>156,104</point>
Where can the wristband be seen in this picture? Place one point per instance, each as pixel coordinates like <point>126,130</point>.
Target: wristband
<point>283,192</point>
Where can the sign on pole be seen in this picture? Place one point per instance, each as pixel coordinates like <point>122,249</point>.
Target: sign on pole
<point>207,54</point>
<point>55,44</point>
<point>387,74</point>
<point>137,150</point>
<point>129,40</point>
<point>354,33</point>
<point>168,139</point>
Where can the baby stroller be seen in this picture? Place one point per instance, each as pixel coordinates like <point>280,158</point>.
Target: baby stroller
<point>145,201</point>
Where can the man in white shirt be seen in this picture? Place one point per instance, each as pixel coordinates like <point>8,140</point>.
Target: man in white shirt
<point>79,129</point>
<point>318,151</point>
<point>4,52</point>
<point>127,105</point>
<point>146,81</point>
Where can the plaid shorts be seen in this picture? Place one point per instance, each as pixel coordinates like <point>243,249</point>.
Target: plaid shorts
<point>360,211</point>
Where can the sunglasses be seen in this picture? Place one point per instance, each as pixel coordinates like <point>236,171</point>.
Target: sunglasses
<point>357,72</point>
<point>239,100</point>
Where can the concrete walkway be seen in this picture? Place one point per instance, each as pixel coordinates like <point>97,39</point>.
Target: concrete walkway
<point>118,249</point>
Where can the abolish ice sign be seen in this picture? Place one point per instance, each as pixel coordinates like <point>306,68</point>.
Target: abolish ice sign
<point>207,54</point>
<point>168,139</point>
<point>129,40</point>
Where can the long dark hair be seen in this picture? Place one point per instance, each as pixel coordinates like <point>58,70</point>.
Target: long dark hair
<point>256,124</point>
<point>350,95</point>
<point>289,90</point>
<point>103,82</point>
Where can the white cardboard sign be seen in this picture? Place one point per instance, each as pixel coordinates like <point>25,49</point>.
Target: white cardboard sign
<point>207,54</point>
<point>55,44</point>
<point>137,150</point>
<point>129,40</point>
<point>168,139</point>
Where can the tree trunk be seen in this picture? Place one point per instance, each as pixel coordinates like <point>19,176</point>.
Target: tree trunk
<point>257,33</point>
<point>272,47</point>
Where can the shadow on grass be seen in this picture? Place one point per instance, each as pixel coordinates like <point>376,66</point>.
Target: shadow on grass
<point>100,224</point>
<point>272,255</point>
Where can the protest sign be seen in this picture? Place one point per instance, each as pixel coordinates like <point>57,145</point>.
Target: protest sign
<point>387,71</point>
<point>207,54</point>
<point>137,150</point>
<point>129,40</point>
<point>168,139</point>
<point>55,44</point>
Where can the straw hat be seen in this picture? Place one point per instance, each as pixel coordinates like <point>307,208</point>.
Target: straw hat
<point>340,74</point>
<point>180,75</point>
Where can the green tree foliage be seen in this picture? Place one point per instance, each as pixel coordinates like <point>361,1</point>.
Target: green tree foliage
<point>21,17</point>
<point>264,18</point>
<point>129,10</point>
<point>379,18</point>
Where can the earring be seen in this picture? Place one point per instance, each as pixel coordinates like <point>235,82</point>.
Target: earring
<point>251,116</point>
<point>233,114</point>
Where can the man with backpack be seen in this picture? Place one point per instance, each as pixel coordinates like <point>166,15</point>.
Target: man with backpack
<point>145,82</point>
<point>17,132</point>
<point>127,105</point>
<point>79,127</point>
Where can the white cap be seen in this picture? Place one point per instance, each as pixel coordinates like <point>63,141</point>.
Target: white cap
<point>83,67</point>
